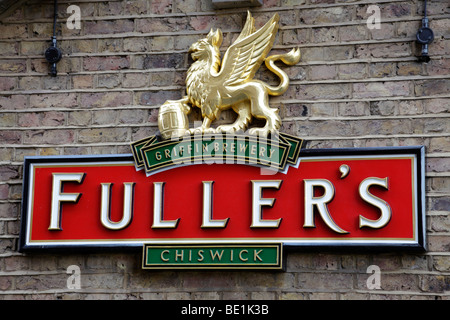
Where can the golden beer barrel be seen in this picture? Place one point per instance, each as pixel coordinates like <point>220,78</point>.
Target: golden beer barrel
<point>172,119</point>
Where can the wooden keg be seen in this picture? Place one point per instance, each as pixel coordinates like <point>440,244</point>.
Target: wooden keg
<point>172,119</point>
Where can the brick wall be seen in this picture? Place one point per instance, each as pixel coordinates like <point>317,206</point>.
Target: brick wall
<point>355,87</point>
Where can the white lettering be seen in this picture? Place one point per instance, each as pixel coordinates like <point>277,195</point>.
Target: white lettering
<point>258,202</point>
<point>208,221</point>
<point>375,201</point>
<point>105,207</point>
<point>320,203</point>
<point>58,196</point>
<point>162,255</point>
<point>158,208</point>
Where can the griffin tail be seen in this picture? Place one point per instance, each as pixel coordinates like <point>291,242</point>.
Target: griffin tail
<point>291,58</point>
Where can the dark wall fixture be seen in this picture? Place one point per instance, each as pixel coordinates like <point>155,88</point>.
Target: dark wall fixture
<point>425,36</point>
<point>53,53</point>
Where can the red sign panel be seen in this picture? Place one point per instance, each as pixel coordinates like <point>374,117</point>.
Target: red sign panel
<point>351,197</point>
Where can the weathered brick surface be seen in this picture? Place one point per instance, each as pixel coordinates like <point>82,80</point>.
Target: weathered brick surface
<point>354,87</point>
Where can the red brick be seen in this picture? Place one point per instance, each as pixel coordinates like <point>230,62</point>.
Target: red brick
<point>7,83</point>
<point>13,66</point>
<point>393,10</point>
<point>325,15</point>
<point>295,36</point>
<point>44,282</point>
<point>175,60</point>
<point>83,46</point>
<point>40,66</point>
<point>408,28</point>
<point>352,71</point>
<point>4,191</point>
<point>441,263</point>
<point>136,6</point>
<point>409,68</point>
<point>329,281</point>
<point>107,27</point>
<point>110,8</point>
<point>323,91</point>
<point>29,119</point>
<point>226,22</point>
<point>186,6</point>
<point>438,67</point>
<point>7,120</point>
<point>135,80</point>
<point>13,31</point>
<point>103,135</point>
<point>55,137</point>
<point>106,63</point>
<point>352,33</point>
<point>432,87</point>
<point>15,15</point>
<point>83,81</point>
<point>66,100</point>
<point>386,31</point>
<point>438,165</point>
<point>105,99</point>
<point>384,50</point>
<point>9,210</point>
<point>157,97</point>
<point>161,6</point>
<point>40,30</point>
<point>434,283</point>
<point>8,173</point>
<point>153,25</point>
<point>328,34</point>
<point>391,282</point>
<point>8,48</point>
<point>322,72</point>
<point>10,136</point>
<point>380,89</point>
<point>6,283</point>
<point>53,118</point>
<point>110,45</point>
<point>437,106</point>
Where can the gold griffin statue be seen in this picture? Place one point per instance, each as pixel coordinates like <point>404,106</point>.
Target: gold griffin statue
<point>214,85</point>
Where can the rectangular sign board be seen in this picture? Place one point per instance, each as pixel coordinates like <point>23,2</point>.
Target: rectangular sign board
<point>331,198</point>
<point>223,256</point>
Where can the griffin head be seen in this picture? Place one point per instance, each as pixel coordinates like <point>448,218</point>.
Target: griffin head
<point>201,48</point>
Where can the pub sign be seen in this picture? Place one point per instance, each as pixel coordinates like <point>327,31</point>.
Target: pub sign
<point>227,196</point>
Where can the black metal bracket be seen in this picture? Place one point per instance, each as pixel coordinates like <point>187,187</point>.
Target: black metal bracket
<point>425,36</point>
<point>53,54</point>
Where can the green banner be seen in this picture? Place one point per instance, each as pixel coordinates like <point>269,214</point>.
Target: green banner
<point>153,155</point>
<point>208,256</point>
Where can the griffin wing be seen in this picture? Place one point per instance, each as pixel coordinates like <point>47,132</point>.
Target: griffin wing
<point>244,57</point>
<point>249,27</point>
